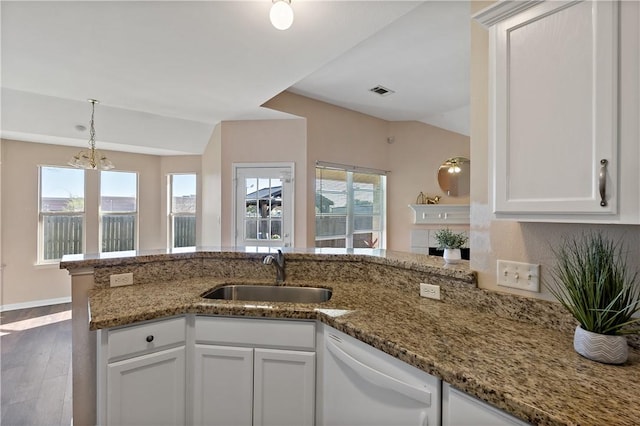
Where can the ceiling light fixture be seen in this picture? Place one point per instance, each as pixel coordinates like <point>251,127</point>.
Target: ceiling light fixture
<point>281,14</point>
<point>453,164</point>
<point>91,158</point>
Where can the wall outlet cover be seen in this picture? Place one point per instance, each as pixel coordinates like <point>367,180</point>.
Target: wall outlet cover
<point>117,280</point>
<point>430,291</point>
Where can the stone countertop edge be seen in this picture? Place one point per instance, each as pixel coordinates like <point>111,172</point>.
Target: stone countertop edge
<point>415,262</point>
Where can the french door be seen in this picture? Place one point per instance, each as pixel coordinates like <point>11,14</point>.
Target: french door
<point>263,205</point>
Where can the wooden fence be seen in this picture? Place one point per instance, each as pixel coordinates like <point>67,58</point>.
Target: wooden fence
<point>118,232</point>
<point>63,235</point>
<point>184,231</point>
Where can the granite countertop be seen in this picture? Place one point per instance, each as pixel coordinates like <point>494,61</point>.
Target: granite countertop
<point>528,370</point>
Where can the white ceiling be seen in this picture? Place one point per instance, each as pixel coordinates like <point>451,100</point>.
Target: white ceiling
<point>166,72</point>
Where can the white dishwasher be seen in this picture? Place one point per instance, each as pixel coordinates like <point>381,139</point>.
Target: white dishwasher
<point>365,386</point>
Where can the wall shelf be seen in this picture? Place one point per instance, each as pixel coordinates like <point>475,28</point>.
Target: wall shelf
<point>426,214</point>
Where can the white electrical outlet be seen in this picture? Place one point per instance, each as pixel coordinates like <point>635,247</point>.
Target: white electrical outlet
<point>523,276</point>
<point>118,280</point>
<point>430,291</point>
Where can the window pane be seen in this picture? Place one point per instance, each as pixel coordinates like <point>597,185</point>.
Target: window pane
<point>118,232</point>
<point>363,223</point>
<point>329,226</point>
<point>62,234</point>
<point>183,188</point>
<point>184,231</point>
<point>118,192</point>
<point>368,240</point>
<point>336,243</point>
<point>61,189</point>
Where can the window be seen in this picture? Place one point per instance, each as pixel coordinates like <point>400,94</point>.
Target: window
<point>118,210</point>
<point>61,214</point>
<point>350,208</point>
<point>182,212</point>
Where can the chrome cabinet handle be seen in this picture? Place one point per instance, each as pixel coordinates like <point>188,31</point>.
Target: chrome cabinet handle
<point>603,182</point>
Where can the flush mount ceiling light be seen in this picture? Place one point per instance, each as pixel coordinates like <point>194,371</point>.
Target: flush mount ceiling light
<point>91,158</point>
<point>281,14</point>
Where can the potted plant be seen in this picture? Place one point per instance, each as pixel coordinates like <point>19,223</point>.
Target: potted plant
<point>593,282</point>
<point>451,242</point>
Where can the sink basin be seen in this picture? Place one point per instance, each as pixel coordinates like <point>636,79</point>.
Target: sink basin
<point>270,293</point>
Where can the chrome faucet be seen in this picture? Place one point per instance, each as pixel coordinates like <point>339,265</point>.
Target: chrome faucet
<point>279,264</point>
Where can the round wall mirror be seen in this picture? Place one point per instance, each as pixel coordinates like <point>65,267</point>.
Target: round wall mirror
<point>454,176</point>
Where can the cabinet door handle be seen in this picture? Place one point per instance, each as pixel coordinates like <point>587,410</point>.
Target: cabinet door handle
<point>149,338</point>
<point>603,182</point>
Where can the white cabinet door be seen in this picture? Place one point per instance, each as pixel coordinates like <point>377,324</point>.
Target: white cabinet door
<point>460,409</point>
<point>555,117</point>
<point>147,390</point>
<point>222,385</point>
<point>284,388</point>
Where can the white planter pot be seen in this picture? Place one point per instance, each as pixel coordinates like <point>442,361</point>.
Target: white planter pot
<point>600,347</point>
<point>452,255</point>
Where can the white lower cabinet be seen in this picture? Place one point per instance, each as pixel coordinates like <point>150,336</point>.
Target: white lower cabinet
<point>460,409</point>
<point>141,374</point>
<point>244,371</point>
<point>284,388</point>
<point>147,390</point>
<point>222,386</point>
<point>249,383</point>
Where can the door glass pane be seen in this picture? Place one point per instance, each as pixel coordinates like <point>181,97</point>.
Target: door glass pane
<point>251,230</point>
<point>264,201</point>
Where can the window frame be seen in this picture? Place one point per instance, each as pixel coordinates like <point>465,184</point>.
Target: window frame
<point>171,216</point>
<point>351,215</point>
<point>42,214</point>
<point>135,213</point>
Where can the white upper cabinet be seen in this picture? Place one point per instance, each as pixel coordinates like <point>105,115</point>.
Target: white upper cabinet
<point>564,110</point>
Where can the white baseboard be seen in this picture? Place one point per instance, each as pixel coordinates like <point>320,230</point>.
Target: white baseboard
<point>34,304</point>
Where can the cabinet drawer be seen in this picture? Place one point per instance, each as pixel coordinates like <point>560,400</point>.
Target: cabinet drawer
<point>299,335</point>
<point>146,337</point>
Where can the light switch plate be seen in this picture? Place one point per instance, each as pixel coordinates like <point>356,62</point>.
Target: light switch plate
<point>523,276</point>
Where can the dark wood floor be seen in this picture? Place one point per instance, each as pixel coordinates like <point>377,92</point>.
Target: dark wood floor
<point>36,366</point>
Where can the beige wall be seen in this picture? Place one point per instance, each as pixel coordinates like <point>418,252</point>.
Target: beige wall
<point>415,156</point>
<point>264,141</point>
<point>26,282</point>
<point>339,135</point>
<point>524,242</point>
<point>211,234</point>
<point>336,135</point>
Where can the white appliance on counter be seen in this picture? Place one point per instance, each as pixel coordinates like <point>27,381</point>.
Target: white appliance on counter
<point>367,387</point>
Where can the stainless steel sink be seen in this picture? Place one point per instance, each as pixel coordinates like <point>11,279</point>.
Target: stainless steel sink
<point>270,293</point>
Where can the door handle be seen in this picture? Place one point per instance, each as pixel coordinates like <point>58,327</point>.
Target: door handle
<point>602,180</point>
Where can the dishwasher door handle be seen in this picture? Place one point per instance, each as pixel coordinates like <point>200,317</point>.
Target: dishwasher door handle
<point>378,378</point>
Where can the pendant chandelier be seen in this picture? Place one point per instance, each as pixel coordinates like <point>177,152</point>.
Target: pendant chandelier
<point>91,158</point>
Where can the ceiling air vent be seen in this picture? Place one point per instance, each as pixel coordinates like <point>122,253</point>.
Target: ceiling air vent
<point>381,90</point>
